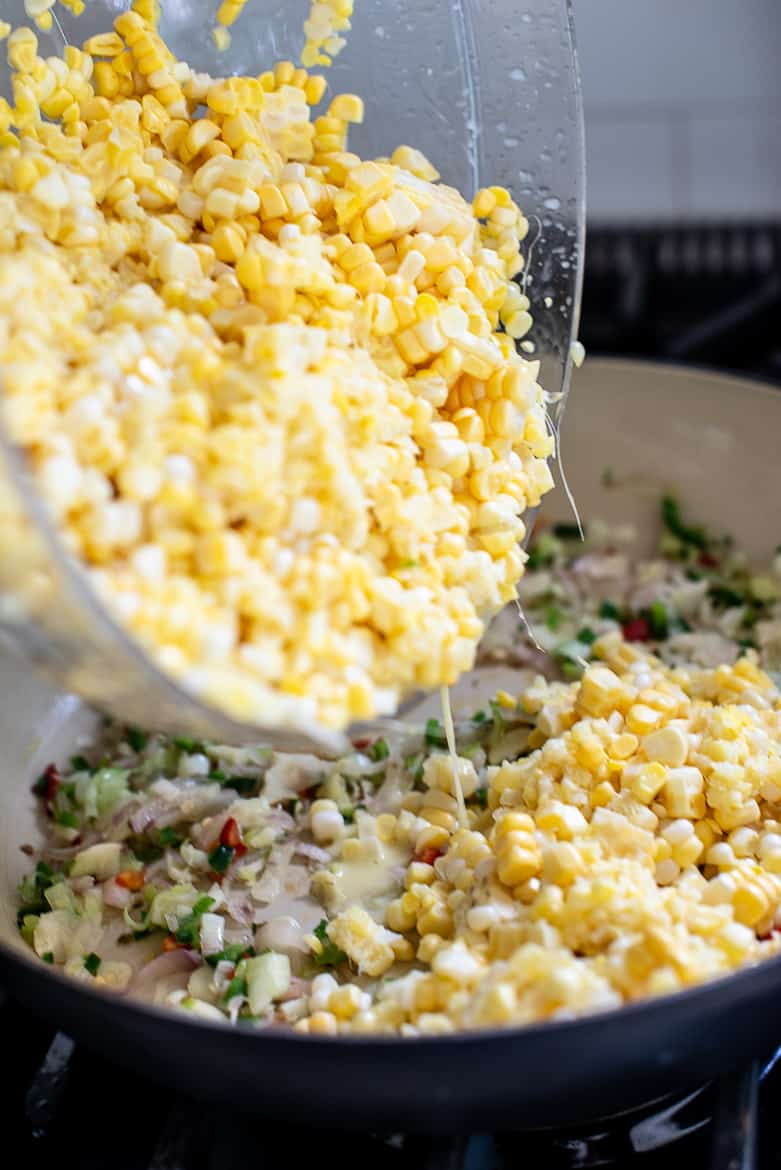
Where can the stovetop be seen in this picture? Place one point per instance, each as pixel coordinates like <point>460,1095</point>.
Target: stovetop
<point>74,1110</point>
<point>707,294</point>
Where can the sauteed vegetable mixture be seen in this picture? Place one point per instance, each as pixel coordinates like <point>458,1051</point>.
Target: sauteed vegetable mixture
<point>624,834</point>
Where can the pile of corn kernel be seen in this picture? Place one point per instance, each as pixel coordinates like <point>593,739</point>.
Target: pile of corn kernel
<point>634,852</point>
<point>269,391</point>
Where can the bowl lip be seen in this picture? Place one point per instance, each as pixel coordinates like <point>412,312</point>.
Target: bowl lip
<point>86,598</point>
<point>709,992</point>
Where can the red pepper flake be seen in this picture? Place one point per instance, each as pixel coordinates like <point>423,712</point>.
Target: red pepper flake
<point>707,561</point>
<point>638,630</point>
<point>170,943</point>
<point>231,838</point>
<point>130,879</point>
<point>775,932</point>
<point>429,855</point>
<point>52,782</point>
<point>360,744</point>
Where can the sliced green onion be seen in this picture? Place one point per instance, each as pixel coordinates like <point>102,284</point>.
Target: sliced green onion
<point>168,837</point>
<point>136,738</point>
<point>658,620</point>
<point>435,734</point>
<point>674,523</point>
<point>553,616</point>
<point>220,858</point>
<point>48,957</point>
<point>331,955</point>
<point>92,962</point>
<point>185,744</point>
<point>567,531</point>
<point>237,986</point>
<point>379,750</point>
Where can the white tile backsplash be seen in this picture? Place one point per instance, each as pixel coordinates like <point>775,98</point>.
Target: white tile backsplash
<point>736,162</point>
<point>631,169</point>
<point>683,107</point>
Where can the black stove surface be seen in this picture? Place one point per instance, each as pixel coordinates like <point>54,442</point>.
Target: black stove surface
<point>708,294</point>
<point>74,1110</point>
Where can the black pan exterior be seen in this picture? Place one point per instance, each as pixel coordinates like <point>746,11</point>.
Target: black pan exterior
<point>552,1074</point>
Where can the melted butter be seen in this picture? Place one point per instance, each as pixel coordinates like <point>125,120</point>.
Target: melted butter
<point>450,736</point>
<point>365,881</point>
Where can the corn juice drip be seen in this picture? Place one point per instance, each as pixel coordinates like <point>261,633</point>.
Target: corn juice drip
<point>450,736</point>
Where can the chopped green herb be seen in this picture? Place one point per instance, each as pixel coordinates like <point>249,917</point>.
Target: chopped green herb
<point>608,610</point>
<point>79,764</point>
<point>169,838</point>
<point>67,818</point>
<point>586,636</point>
<point>231,954</point>
<point>379,750</point>
<point>674,523</point>
<point>136,738</point>
<point>479,717</point>
<point>244,785</point>
<point>539,559</point>
<point>481,797</point>
<point>724,596</point>
<point>567,531</point>
<point>92,963</point>
<point>237,986</point>
<point>571,670</point>
<point>414,764</point>
<point>220,858</point>
<point>747,644</point>
<point>657,620</point>
<point>553,616</point>
<point>348,815</point>
<point>679,625</point>
<point>435,734</point>
<point>185,744</point>
<point>189,927</point>
<point>331,955</point>
<point>33,886</point>
<point>27,923</point>
<point>146,851</point>
<point>48,957</point>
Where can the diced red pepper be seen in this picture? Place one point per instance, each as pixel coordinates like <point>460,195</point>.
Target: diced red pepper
<point>637,630</point>
<point>231,838</point>
<point>360,744</point>
<point>52,781</point>
<point>130,879</point>
<point>428,856</point>
<point>170,943</point>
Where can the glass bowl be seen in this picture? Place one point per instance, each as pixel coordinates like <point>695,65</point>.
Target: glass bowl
<point>489,91</point>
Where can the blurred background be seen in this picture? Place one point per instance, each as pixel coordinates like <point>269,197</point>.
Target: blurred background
<point>683,125</point>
